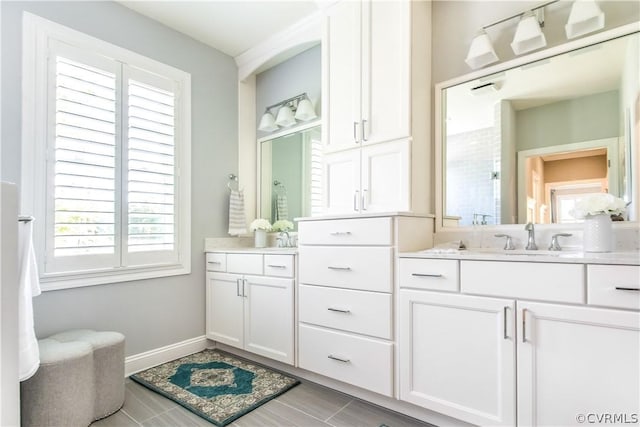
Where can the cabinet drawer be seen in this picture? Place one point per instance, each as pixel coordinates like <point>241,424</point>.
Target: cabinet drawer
<point>614,285</point>
<point>365,231</point>
<point>216,262</point>
<point>365,268</point>
<point>436,274</point>
<point>279,265</point>
<point>362,312</point>
<point>244,263</point>
<point>363,362</point>
<point>528,280</point>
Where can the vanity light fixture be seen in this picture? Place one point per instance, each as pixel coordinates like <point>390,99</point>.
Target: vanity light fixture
<point>288,111</point>
<point>586,17</point>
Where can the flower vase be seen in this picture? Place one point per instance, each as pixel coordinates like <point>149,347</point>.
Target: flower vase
<point>260,238</point>
<point>598,233</point>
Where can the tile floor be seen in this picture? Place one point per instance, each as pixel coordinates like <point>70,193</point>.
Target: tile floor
<point>306,405</point>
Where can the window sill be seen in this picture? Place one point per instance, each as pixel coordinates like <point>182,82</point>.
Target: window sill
<point>67,281</point>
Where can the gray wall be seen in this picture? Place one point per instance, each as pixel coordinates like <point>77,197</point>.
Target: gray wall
<point>301,73</point>
<point>156,312</point>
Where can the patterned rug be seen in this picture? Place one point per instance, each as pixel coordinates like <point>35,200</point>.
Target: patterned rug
<point>215,385</point>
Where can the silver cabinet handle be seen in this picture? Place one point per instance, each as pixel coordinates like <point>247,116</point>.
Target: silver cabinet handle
<point>623,288</point>
<point>340,233</point>
<point>339,359</point>
<point>364,138</point>
<point>214,262</point>
<point>331,267</point>
<point>276,266</point>
<point>244,284</point>
<point>338,310</point>
<point>504,334</point>
<point>355,200</point>
<point>524,325</point>
<point>364,198</point>
<point>238,287</point>
<point>426,275</point>
<point>355,132</point>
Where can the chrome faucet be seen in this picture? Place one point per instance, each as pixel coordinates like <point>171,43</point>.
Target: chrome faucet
<point>284,240</point>
<point>531,239</point>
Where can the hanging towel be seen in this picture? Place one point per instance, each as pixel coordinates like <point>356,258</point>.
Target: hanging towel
<point>282,209</point>
<point>237,221</point>
<point>29,287</point>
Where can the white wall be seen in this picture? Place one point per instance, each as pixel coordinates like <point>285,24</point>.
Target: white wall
<point>151,313</point>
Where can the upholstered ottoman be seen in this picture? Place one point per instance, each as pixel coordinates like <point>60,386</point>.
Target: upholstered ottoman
<point>108,367</point>
<point>62,391</point>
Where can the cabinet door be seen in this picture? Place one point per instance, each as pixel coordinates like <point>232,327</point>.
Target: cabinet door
<point>457,355</point>
<point>385,177</point>
<point>269,317</point>
<point>341,74</point>
<point>225,308</point>
<point>575,362</point>
<point>342,182</point>
<point>386,76</point>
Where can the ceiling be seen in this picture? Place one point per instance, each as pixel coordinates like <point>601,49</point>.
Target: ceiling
<point>231,26</point>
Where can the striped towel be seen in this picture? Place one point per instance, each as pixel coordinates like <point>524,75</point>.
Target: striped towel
<point>282,209</point>
<point>237,221</point>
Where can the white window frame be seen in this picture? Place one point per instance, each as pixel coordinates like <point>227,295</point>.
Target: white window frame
<point>38,34</point>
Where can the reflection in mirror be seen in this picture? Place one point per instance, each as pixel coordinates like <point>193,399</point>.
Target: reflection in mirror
<point>524,144</point>
<point>290,174</point>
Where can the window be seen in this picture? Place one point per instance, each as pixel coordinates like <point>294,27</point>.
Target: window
<point>106,157</point>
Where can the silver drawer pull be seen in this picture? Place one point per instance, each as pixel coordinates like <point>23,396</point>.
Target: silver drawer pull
<point>215,262</point>
<point>338,310</point>
<point>339,359</point>
<point>622,288</point>
<point>426,275</point>
<point>276,266</point>
<point>331,267</point>
<point>340,233</point>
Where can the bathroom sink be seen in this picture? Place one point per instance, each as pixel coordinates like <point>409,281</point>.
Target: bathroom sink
<point>524,252</point>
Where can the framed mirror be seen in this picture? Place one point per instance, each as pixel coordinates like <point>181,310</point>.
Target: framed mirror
<point>289,171</point>
<point>524,141</point>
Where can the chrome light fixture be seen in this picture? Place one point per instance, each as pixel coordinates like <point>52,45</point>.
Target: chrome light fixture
<point>288,111</point>
<point>586,17</point>
<point>529,35</point>
<point>481,51</point>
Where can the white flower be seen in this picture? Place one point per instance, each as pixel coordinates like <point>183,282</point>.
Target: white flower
<point>282,225</point>
<point>260,224</point>
<point>596,204</point>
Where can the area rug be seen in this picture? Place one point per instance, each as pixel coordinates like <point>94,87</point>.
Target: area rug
<point>215,385</point>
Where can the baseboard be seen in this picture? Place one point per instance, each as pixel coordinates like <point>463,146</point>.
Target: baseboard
<point>148,359</point>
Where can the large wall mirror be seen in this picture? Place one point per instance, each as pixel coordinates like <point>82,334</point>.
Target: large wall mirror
<point>523,144</point>
<point>290,182</point>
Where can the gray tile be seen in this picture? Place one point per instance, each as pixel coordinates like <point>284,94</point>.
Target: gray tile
<point>276,414</point>
<point>177,416</point>
<point>361,414</point>
<point>315,400</point>
<point>140,403</point>
<point>119,419</point>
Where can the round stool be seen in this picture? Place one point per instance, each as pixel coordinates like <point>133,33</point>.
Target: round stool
<point>108,363</point>
<point>62,391</point>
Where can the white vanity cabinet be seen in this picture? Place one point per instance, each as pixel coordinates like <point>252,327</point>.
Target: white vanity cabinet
<point>251,305</point>
<point>484,358</point>
<point>376,58</point>
<point>346,295</point>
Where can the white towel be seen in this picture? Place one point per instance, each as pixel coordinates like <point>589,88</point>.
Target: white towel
<point>29,287</point>
<point>237,221</point>
<point>282,207</point>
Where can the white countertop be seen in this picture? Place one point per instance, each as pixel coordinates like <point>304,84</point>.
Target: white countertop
<point>267,251</point>
<point>364,215</point>
<point>566,257</point>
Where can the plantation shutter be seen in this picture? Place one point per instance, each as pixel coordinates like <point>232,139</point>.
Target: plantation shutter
<point>316,175</point>
<point>83,165</point>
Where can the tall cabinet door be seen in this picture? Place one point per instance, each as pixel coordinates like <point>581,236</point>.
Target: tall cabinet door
<point>577,361</point>
<point>269,317</point>
<point>386,75</point>
<point>225,308</point>
<point>457,355</point>
<point>385,177</point>
<point>342,182</point>
<point>342,57</point>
